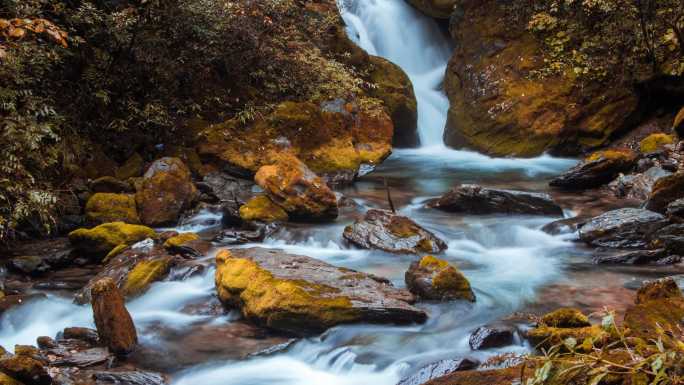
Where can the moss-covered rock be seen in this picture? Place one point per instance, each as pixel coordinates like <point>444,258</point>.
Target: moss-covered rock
<point>144,274</point>
<point>597,169</point>
<point>108,207</point>
<point>678,124</point>
<point>395,89</point>
<point>166,191</point>
<point>658,313</point>
<point>565,318</point>
<point>555,327</point>
<point>441,9</point>
<point>290,184</point>
<point>262,208</point>
<point>302,294</point>
<point>436,279</point>
<point>25,369</point>
<point>655,142</point>
<point>329,137</point>
<point>7,380</point>
<point>180,240</point>
<point>665,191</point>
<point>505,102</point>
<point>101,240</point>
<point>132,167</point>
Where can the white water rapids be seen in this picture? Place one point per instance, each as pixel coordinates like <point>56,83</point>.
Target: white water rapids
<point>505,258</point>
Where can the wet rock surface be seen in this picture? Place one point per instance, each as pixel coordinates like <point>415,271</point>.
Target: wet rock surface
<point>665,191</point>
<point>491,336</point>
<point>301,294</point>
<point>438,369</point>
<point>474,199</point>
<point>597,170</point>
<point>627,228</point>
<point>436,279</point>
<point>638,186</point>
<point>381,229</point>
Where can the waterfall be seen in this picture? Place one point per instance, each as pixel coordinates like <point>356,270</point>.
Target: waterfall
<point>396,31</point>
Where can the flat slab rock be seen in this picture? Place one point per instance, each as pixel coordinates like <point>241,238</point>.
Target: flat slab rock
<point>297,293</point>
<point>627,228</point>
<point>438,369</point>
<point>383,230</point>
<point>474,199</point>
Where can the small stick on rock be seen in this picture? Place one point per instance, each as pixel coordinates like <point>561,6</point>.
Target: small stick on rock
<point>389,197</point>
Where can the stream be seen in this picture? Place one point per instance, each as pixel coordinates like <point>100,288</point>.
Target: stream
<point>512,265</point>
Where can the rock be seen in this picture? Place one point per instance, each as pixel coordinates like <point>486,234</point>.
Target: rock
<point>670,238</point>
<point>563,226</point>
<point>488,337</point>
<point>103,239</point>
<point>394,88</point>
<point>133,167</point>
<point>114,324</point>
<point>380,229</point>
<point>107,207</point>
<point>180,240</point>
<point>638,186</point>
<point>635,257</point>
<point>678,124</point>
<point>657,313</point>
<point>596,170</point>
<point>134,377</point>
<point>240,237</point>
<point>505,376</point>
<point>474,199</point>
<point>84,334</point>
<point>261,208</point>
<point>25,369</point>
<point>565,318</point>
<point>676,209</point>
<point>188,245</point>
<point>167,190</point>
<point>7,380</point>
<point>436,279</point>
<point>109,184</point>
<point>330,137</point>
<point>626,228</point>
<point>227,189</point>
<point>655,142</point>
<point>440,9</point>
<point>29,264</point>
<point>301,294</point>
<point>665,191</point>
<point>144,274</point>
<point>294,187</point>
<point>438,369</point>
<point>658,289</point>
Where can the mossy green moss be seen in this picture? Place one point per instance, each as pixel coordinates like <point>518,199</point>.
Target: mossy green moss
<point>180,240</point>
<point>587,337</point>
<point>107,207</point>
<point>262,208</point>
<point>100,240</point>
<point>447,281</point>
<point>144,274</point>
<point>612,154</point>
<point>565,318</point>
<point>279,303</point>
<point>655,142</point>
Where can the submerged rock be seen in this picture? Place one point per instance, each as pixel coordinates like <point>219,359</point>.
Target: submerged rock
<point>108,207</point>
<point>436,279</point>
<point>438,369</point>
<point>488,337</point>
<point>626,228</point>
<point>114,324</point>
<point>474,199</point>
<point>665,191</point>
<point>301,294</point>
<point>380,229</point>
<point>293,186</point>
<point>103,239</point>
<point>597,169</point>
<point>166,191</point>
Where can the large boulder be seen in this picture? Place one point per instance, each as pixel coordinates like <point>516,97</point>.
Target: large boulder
<point>516,89</point>
<point>665,191</point>
<point>596,170</point>
<point>441,9</point>
<point>166,191</point>
<point>394,88</point>
<point>333,138</point>
<point>109,207</point>
<point>114,323</point>
<point>101,240</point>
<point>298,190</point>
<point>436,279</point>
<point>381,229</point>
<point>474,199</point>
<point>627,228</point>
<point>301,294</point>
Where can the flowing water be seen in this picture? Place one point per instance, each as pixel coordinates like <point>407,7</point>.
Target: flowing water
<point>508,260</point>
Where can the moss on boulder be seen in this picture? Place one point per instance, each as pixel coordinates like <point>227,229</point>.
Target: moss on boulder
<point>654,142</point>
<point>101,240</point>
<point>180,240</point>
<point>436,279</point>
<point>565,318</point>
<point>108,207</point>
<point>262,208</point>
<point>144,274</point>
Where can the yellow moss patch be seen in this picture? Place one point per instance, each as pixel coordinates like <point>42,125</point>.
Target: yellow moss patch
<point>262,208</point>
<point>144,274</point>
<point>565,318</point>
<point>403,227</point>
<point>278,303</point>
<point>107,207</point>
<point>611,154</point>
<point>102,239</point>
<point>654,142</point>
<point>431,262</point>
<point>447,280</point>
<point>180,240</point>
<point>586,337</point>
